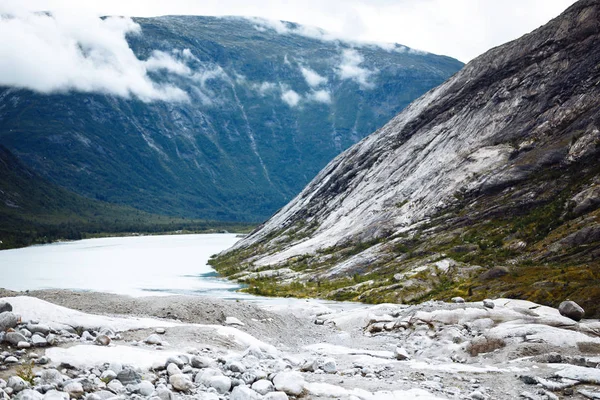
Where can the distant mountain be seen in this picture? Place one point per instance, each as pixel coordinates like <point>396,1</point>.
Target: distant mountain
<point>269,106</point>
<point>488,185</point>
<point>33,210</point>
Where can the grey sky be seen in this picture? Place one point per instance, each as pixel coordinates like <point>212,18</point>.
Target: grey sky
<point>459,28</point>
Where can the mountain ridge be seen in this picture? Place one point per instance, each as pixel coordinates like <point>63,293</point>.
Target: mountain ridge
<point>481,172</point>
<point>251,90</point>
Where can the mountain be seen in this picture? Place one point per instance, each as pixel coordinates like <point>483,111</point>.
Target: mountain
<point>268,105</point>
<point>33,210</point>
<point>488,185</point>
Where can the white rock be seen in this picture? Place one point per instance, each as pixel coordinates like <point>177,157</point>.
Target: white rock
<point>291,383</point>
<point>29,394</point>
<point>263,386</point>
<point>55,395</point>
<point>108,375</point>
<point>173,369</point>
<point>160,331</point>
<point>458,300</point>
<point>581,374</point>
<point>16,384</point>
<point>11,360</point>
<point>23,345</point>
<point>204,376</point>
<point>115,386</point>
<point>39,341</point>
<point>236,366</point>
<point>476,395</point>
<point>74,389</point>
<point>329,366</point>
<point>244,393</point>
<point>153,339</point>
<point>181,382</point>
<point>233,321</point>
<point>145,388</point>
<point>401,354</point>
<point>222,384</point>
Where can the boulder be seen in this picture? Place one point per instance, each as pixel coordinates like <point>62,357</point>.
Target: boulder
<point>153,339</point>
<point>4,307</point>
<point>263,386</point>
<point>292,383</point>
<point>221,384</point>
<point>29,394</point>
<point>39,341</point>
<point>572,310</point>
<point>74,389</point>
<point>56,395</point>
<point>145,388</point>
<point>17,384</point>
<point>173,369</point>
<point>51,376</point>
<point>204,376</point>
<point>181,382</point>
<point>329,366</point>
<point>128,376</point>
<point>8,320</point>
<point>244,393</point>
<point>14,338</point>
<point>202,362</point>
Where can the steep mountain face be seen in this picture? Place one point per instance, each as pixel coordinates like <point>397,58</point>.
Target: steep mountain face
<point>487,185</point>
<point>268,108</point>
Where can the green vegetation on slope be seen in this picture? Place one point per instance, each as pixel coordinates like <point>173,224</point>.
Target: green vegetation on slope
<point>34,211</point>
<point>497,243</point>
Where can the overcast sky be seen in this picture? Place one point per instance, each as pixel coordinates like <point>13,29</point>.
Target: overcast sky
<point>459,28</point>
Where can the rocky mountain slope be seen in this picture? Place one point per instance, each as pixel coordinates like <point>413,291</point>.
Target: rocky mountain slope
<point>487,185</point>
<point>267,105</point>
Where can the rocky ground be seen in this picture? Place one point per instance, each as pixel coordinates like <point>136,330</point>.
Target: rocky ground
<point>60,344</point>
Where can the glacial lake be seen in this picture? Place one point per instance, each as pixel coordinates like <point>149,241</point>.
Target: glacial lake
<point>134,265</point>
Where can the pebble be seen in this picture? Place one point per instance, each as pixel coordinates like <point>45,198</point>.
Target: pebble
<point>173,369</point>
<point>458,300</point>
<point>276,396</point>
<point>23,345</point>
<point>11,360</point>
<point>476,395</point>
<point>160,331</point>
<point>145,388</point>
<point>401,354</point>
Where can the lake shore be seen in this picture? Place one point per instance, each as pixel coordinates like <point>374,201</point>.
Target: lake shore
<point>305,350</point>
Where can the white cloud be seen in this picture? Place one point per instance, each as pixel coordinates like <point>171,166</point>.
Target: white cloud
<point>264,87</point>
<point>320,96</point>
<point>312,78</point>
<point>349,68</point>
<point>63,52</point>
<point>290,97</point>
